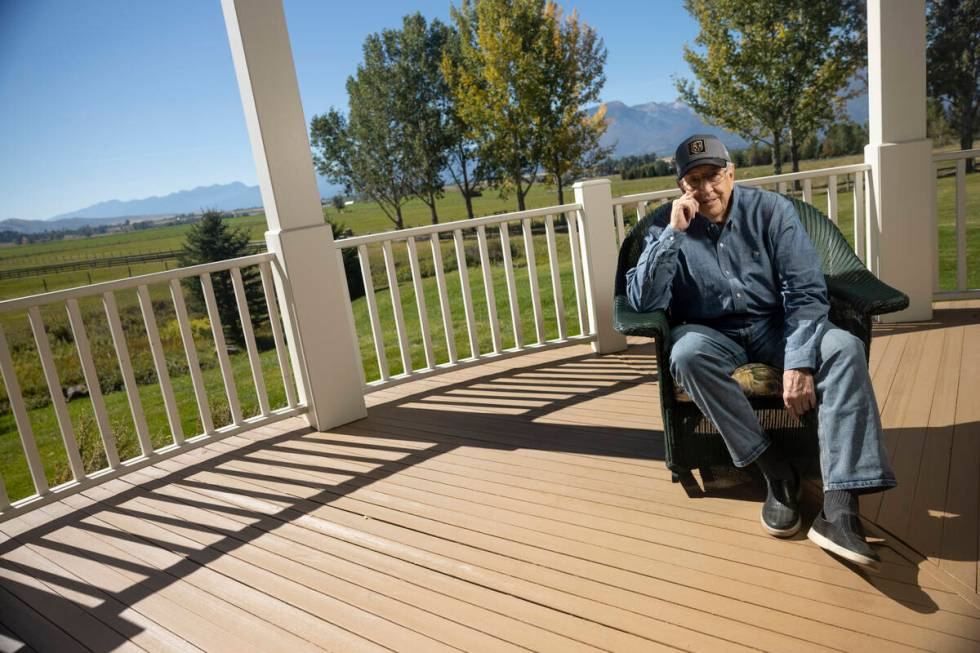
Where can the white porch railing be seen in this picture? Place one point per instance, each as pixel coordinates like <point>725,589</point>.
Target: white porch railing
<point>853,179</point>
<point>957,160</point>
<point>70,298</point>
<point>525,223</point>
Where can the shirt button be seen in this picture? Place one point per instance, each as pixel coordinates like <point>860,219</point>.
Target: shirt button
<point>722,245</point>
<point>738,294</point>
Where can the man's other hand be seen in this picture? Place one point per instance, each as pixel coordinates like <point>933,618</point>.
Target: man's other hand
<point>683,211</point>
<point>799,395</point>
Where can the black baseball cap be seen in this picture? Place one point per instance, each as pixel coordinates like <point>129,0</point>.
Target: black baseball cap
<point>700,149</point>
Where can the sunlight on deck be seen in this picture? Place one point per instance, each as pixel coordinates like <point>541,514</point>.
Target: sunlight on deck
<point>519,505</point>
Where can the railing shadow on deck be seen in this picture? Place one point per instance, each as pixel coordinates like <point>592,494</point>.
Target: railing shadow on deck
<point>260,508</point>
<point>413,428</point>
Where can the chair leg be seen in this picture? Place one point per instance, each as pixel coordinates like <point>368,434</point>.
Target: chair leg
<point>682,476</point>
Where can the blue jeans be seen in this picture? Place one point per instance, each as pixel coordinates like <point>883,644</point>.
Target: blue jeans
<point>852,456</point>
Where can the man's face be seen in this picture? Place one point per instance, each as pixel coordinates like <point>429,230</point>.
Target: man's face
<point>711,187</point>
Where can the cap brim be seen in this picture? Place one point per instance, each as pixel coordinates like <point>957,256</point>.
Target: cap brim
<point>707,161</point>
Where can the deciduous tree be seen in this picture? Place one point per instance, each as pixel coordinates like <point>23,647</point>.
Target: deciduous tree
<point>392,145</point>
<point>774,71</point>
<point>574,58</point>
<point>499,86</point>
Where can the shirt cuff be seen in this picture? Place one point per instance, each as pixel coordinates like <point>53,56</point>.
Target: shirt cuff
<point>800,359</point>
<point>671,237</point>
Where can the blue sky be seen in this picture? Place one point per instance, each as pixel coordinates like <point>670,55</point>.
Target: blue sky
<point>125,99</point>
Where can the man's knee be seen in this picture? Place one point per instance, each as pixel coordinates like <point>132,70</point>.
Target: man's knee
<point>693,352</point>
<point>844,347</point>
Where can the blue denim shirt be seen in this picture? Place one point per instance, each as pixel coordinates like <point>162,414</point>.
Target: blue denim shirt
<point>760,265</point>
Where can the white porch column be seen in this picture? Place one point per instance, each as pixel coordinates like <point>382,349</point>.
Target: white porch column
<point>598,238</point>
<point>900,154</point>
<point>298,235</point>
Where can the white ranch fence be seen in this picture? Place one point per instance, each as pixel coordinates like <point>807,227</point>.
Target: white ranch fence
<point>180,441</point>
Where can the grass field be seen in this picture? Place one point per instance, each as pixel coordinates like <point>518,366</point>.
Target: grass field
<point>361,218</point>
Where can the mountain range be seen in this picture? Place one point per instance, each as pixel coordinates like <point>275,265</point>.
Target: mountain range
<point>655,127</point>
<point>639,129</point>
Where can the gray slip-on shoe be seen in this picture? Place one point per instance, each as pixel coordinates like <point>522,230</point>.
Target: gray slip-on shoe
<point>843,537</point>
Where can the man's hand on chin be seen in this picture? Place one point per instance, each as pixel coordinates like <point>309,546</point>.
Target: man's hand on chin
<point>799,395</point>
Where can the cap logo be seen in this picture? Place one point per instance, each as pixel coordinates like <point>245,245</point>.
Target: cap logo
<point>696,146</point>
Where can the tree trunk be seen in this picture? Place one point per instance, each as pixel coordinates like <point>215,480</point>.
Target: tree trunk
<point>561,190</point>
<point>432,207</point>
<point>794,150</point>
<point>519,185</point>
<point>966,135</point>
<point>399,221</point>
<point>777,153</point>
<point>467,191</point>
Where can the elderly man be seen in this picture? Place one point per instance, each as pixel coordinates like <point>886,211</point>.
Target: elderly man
<point>742,283</point>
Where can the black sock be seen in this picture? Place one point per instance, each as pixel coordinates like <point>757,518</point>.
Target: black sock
<point>773,466</point>
<point>839,502</point>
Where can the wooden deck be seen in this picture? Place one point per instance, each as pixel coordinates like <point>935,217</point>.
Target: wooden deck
<point>521,505</point>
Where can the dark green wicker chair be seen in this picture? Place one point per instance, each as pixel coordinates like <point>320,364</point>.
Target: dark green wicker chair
<point>690,440</point>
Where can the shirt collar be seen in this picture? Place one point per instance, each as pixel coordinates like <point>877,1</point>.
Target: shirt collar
<point>735,214</point>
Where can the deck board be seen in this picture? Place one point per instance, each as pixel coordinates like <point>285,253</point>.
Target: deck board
<point>519,505</point>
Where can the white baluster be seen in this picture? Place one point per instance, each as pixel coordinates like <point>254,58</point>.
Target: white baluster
<point>571,220</point>
<point>515,309</point>
<point>447,316</point>
<point>253,351</point>
<point>620,227</point>
<point>269,291</point>
<point>190,351</point>
<point>372,306</point>
<point>961,224</point>
<point>532,273</point>
<point>555,277</point>
<point>481,237</point>
<point>464,284</point>
<point>92,382</point>
<point>160,364</point>
<point>221,349</point>
<point>396,307</point>
<point>860,221</point>
<point>126,367</point>
<point>19,409</point>
<point>413,260</point>
<point>832,198</point>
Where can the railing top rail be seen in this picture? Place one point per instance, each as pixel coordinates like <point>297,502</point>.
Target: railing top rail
<point>646,197</point>
<point>415,232</point>
<point>953,156</point>
<point>22,303</point>
<point>806,174</point>
<point>757,181</point>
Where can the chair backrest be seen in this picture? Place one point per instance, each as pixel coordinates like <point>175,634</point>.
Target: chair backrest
<point>837,259</point>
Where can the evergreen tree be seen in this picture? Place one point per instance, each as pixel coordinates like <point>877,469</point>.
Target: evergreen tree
<point>209,240</point>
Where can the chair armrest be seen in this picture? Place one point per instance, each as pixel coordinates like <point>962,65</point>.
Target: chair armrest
<point>866,292</point>
<point>631,323</point>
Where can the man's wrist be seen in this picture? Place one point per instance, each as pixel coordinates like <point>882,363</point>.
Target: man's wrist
<point>671,237</point>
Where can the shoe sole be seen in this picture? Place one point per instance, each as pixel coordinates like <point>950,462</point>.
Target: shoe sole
<point>838,550</point>
<point>782,532</point>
